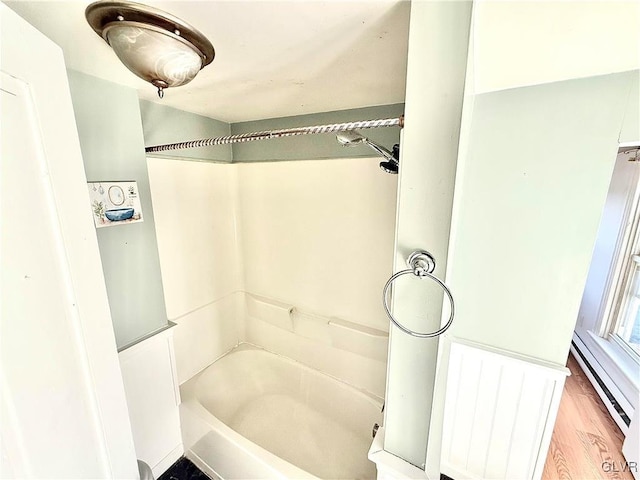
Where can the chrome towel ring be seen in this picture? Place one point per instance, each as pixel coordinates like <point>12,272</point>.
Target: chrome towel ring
<point>421,263</point>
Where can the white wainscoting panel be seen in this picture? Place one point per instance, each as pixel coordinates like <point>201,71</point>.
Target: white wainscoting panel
<point>500,412</point>
<point>153,398</point>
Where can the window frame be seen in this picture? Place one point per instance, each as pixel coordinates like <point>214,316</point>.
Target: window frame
<point>627,261</point>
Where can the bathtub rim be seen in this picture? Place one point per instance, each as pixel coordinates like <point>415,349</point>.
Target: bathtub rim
<point>376,400</point>
<point>271,463</point>
<point>274,464</point>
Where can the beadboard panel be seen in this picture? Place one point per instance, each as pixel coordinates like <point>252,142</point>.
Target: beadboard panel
<point>499,413</point>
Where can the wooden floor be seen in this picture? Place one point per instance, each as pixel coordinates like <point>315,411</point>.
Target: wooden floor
<point>586,443</point>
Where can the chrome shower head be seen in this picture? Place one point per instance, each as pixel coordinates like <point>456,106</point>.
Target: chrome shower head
<point>389,167</point>
<point>350,138</point>
<point>392,166</point>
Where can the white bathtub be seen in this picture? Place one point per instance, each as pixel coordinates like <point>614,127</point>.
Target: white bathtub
<point>254,414</point>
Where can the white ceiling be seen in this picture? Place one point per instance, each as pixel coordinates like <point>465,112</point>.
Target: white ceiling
<point>291,57</point>
<point>518,43</point>
<point>273,58</point>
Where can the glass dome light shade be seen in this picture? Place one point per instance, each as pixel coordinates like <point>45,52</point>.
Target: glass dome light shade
<point>155,45</point>
<point>153,54</point>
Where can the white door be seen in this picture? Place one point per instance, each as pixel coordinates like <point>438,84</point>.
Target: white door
<point>63,412</point>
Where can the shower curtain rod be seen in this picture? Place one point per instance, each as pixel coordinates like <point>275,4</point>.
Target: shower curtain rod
<point>285,132</point>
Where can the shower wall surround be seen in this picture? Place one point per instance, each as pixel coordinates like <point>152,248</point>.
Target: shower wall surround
<point>112,143</point>
<point>317,235</point>
<point>274,248</point>
<point>199,256</point>
<point>274,256</point>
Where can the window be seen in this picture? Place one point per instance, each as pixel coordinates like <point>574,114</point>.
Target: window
<point>607,333</point>
<point>623,323</point>
<point>626,325</point>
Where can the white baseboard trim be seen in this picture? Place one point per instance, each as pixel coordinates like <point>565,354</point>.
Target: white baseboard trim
<point>456,473</point>
<point>164,464</point>
<point>580,350</point>
<point>389,466</point>
<point>198,462</point>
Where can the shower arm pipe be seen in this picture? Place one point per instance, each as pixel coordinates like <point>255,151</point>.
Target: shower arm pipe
<point>285,132</point>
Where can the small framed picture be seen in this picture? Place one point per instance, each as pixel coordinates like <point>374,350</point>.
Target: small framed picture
<point>114,203</point>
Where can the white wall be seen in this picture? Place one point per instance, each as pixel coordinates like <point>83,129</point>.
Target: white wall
<point>532,179</point>
<point>630,131</point>
<point>529,194</point>
<point>199,257</point>
<point>438,42</point>
<point>62,401</point>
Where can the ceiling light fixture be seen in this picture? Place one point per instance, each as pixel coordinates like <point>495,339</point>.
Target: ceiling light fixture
<point>156,46</point>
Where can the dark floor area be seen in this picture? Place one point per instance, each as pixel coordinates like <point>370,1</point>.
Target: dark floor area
<point>183,469</point>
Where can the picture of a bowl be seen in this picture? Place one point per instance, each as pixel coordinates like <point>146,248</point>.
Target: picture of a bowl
<point>119,214</point>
